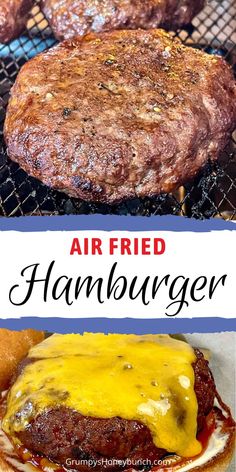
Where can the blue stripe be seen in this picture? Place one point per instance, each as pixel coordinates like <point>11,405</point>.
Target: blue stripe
<point>110,223</point>
<point>123,325</point>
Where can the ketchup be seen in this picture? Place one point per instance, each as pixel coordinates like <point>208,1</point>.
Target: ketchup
<point>39,462</point>
<point>43,464</point>
<point>203,437</point>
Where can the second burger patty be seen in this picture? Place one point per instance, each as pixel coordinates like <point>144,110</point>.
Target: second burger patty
<point>13,18</point>
<point>62,434</point>
<point>69,18</point>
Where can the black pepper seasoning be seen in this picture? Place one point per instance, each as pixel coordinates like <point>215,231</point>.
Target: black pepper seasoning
<point>66,112</point>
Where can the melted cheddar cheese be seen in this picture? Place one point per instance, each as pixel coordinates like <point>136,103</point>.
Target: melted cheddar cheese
<point>146,378</point>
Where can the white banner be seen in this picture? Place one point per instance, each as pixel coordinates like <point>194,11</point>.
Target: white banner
<point>131,274</point>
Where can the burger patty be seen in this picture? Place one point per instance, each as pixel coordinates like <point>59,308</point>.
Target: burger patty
<point>13,18</point>
<point>61,433</point>
<point>120,115</point>
<point>69,18</point>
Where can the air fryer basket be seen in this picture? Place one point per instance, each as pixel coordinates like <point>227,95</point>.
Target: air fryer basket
<point>212,193</point>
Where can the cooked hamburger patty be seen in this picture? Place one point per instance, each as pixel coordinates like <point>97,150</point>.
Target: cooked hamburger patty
<point>13,18</point>
<point>69,18</point>
<point>62,433</point>
<point>120,115</point>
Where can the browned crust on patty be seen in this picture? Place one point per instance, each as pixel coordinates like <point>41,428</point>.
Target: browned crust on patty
<point>120,115</point>
<point>69,18</point>
<point>219,463</point>
<point>13,18</point>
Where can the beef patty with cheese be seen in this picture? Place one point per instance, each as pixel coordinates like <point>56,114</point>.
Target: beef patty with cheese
<point>116,397</point>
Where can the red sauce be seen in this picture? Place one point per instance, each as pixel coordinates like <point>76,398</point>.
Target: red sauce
<point>203,437</point>
<point>43,464</point>
<point>37,461</point>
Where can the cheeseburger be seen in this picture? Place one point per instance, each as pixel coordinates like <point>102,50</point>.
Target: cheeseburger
<point>114,402</point>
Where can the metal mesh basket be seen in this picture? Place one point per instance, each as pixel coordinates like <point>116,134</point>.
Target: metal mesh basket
<point>212,193</point>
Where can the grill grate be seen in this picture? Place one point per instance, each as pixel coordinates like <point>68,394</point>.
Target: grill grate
<point>212,193</point>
